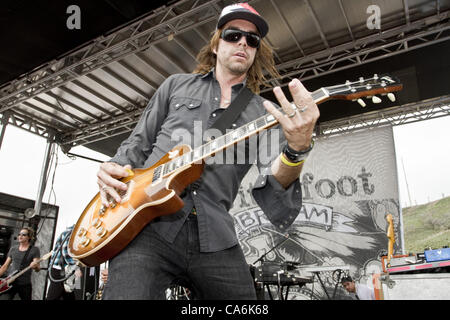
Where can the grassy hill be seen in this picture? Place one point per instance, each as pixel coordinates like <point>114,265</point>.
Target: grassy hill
<point>427,225</point>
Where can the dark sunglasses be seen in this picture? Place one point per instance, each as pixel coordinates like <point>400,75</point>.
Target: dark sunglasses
<point>23,234</point>
<point>234,35</point>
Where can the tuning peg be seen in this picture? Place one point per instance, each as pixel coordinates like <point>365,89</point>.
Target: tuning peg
<point>375,76</point>
<point>361,102</point>
<point>375,99</point>
<point>391,96</point>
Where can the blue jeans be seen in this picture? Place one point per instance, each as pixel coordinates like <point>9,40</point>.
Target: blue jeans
<point>149,265</point>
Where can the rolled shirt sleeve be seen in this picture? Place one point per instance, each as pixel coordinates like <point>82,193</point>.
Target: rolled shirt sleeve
<point>280,205</point>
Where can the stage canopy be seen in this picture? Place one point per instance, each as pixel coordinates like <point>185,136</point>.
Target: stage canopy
<point>81,72</point>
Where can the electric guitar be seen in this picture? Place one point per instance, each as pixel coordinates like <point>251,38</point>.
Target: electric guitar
<point>5,284</point>
<point>102,232</point>
<point>391,236</point>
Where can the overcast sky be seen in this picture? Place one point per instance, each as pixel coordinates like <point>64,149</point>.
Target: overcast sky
<point>422,149</point>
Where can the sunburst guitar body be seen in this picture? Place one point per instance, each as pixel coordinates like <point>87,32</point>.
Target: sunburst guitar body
<point>102,232</point>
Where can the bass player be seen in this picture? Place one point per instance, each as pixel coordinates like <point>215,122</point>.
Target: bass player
<point>19,257</point>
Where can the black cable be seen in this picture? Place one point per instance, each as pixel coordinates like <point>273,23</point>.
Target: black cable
<point>84,157</point>
<point>94,294</point>
<point>52,190</point>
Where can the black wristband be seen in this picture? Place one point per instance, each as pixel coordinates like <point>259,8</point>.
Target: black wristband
<point>296,156</point>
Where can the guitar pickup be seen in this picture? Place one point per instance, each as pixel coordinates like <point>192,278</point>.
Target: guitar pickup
<point>125,195</point>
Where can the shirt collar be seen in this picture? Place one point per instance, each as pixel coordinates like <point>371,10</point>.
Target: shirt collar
<point>212,73</point>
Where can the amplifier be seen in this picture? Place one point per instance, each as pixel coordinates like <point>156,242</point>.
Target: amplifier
<point>437,254</point>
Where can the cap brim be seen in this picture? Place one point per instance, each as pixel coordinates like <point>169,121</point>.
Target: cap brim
<point>259,22</point>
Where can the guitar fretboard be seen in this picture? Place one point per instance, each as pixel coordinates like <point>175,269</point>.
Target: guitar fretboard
<point>362,87</point>
<point>221,143</point>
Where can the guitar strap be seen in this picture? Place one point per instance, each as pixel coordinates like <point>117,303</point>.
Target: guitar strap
<point>227,118</point>
<point>22,266</point>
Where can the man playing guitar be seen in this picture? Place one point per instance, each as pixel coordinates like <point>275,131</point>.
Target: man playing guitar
<point>19,257</point>
<point>198,243</point>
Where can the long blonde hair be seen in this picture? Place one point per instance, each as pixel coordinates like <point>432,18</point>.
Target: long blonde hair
<point>255,75</point>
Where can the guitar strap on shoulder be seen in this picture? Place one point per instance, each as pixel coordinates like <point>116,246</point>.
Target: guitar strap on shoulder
<point>22,266</point>
<point>227,118</point>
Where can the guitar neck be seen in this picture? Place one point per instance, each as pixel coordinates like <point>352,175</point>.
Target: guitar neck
<point>15,276</point>
<point>223,142</point>
<point>347,91</point>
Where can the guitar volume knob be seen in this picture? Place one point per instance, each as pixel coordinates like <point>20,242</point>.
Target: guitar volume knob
<point>96,223</point>
<point>85,241</point>
<point>82,232</point>
<point>101,232</point>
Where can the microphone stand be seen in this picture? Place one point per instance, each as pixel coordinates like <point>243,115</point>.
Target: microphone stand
<point>261,258</point>
<point>276,246</point>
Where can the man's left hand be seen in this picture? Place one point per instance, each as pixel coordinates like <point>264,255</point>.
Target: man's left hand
<point>299,118</point>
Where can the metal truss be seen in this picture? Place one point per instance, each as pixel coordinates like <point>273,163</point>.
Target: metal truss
<point>368,49</point>
<point>134,38</point>
<point>333,62</point>
<point>407,113</point>
<point>166,22</point>
<point>27,123</point>
<point>99,131</point>
<point>174,20</point>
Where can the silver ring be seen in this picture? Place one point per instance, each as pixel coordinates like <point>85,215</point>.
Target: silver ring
<point>303,109</point>
<point>294,110</point>
<point>104,188</point>
<point>292,114</point>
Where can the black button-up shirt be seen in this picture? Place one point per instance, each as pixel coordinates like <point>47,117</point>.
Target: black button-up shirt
<point>180,112</point>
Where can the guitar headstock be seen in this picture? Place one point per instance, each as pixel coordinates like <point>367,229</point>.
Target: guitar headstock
<point>370,87</point>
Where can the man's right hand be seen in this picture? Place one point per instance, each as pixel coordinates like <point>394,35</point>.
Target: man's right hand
<point>108,181</point>
<point>104,275</point>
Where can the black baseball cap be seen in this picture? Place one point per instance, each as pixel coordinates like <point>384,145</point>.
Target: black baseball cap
<point>346,279</point>
<point>246,12</point>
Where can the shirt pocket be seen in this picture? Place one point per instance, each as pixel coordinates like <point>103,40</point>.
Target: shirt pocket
<point>183,114</point>
<point>185,102</point>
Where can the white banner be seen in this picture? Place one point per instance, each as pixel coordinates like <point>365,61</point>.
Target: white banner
<point>349,185</point>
